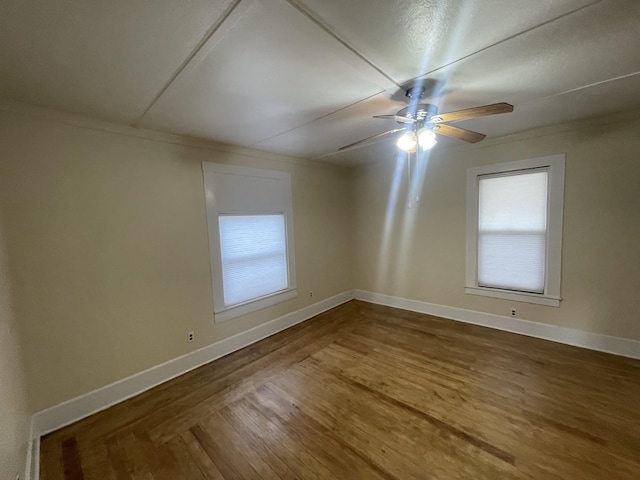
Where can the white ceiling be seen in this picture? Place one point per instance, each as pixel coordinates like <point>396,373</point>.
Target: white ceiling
<point>304,77</point>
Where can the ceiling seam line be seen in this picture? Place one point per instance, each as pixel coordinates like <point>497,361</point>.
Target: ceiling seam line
<point>567,14</point>
<point>205,39</point>
<point>315,119</point>
<point>339,39</point>
<point>355,147</point>
<point>582,87</point>
<point>511,37</point>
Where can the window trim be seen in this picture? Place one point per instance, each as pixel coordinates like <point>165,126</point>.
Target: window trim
<point>221,312</point>
<point>555,205</point>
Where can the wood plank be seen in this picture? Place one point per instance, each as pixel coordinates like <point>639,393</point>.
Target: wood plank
<point>71,460</point>
<point>257,444</point>
<point>200,457</point>
<point>372,392</point>
<point>225,430</point>
<point>228,460</point>
<point>189,468</point>
<point>402,443</point>
<point>328,448</point>
<point>292,453</point>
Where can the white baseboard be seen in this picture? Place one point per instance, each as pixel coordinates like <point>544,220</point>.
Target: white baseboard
<point>579,338</point>
<point>81,407</point>
<point>68,412</point>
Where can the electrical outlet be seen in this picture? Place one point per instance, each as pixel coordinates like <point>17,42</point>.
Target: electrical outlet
<point>311,294</point>
<point>513,312</point>
<point>189,337</point>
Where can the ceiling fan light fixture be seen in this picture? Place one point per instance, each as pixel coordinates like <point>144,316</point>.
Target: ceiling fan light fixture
<point>407,141</point>
<point>426,138</point>
<point>420,122</point>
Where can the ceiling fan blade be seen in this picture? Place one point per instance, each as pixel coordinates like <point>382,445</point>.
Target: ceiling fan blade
<point>397,118</point>
<point>472,113</point>
<point>346,147</point>
<point>459,133</point>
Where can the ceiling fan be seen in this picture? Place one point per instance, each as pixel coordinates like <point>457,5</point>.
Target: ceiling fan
<point>422,122</point>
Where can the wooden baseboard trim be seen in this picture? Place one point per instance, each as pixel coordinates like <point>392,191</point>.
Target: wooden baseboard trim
<point>579,338</point>
<point>71,411</point>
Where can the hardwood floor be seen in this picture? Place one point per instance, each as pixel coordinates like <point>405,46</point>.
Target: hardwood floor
<point>371,392</point>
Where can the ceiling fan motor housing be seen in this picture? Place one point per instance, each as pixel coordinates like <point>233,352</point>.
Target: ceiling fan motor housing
<point>421,112</point>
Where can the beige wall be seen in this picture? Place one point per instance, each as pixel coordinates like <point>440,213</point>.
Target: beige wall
<point>108,248</point>
<point>108,252</point>
<point>423,255</point>
<point>15,420</point>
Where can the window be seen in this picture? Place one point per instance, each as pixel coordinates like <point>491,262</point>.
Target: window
<point>514,230</point>
<point>249,217</point>
<point>253,250</point>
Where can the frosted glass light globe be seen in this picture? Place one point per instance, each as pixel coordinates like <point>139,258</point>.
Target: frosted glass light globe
<point>426,139</point>
<point>407,141</point>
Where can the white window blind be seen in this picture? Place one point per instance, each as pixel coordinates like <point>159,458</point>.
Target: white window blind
<point>253,251</point>
<point>512,230</point>
<point>250,223</point>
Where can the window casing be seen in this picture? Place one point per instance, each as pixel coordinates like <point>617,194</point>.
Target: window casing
<point>250,224</point>
<point>514,230</point>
